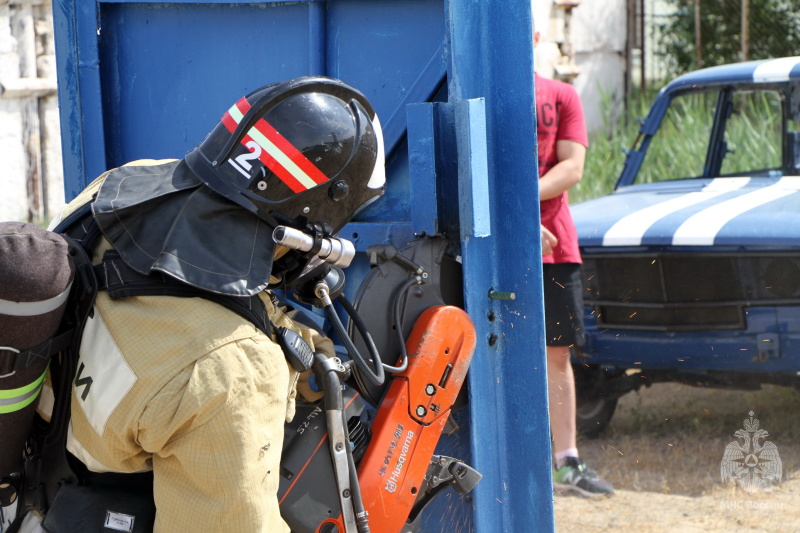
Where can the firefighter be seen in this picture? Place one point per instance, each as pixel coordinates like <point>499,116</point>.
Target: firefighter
<point>182,387</point>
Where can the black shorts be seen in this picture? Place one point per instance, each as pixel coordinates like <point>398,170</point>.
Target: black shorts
<point>563,304</point>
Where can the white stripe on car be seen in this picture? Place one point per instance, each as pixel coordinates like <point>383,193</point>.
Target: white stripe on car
<point>702,228</point>
<point>775,69</point>
<point>629,230</point>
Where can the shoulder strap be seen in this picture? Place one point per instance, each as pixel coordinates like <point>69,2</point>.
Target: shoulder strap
<point>121,281</point>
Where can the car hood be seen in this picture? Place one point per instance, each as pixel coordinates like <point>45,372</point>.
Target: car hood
<point>734,211</point>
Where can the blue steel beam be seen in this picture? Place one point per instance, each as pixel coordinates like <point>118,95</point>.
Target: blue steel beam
<point>79,94</point>
<point>422,168</point>
<point>473,168</point>
<point>316,40</point>
<point>492,58</point>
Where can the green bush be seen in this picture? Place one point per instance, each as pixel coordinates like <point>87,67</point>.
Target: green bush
<point>774,31</point>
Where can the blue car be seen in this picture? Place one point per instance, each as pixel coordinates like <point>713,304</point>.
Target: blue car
<point>692,264</point>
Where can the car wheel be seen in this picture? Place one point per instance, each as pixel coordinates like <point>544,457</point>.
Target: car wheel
<point>593,416</point>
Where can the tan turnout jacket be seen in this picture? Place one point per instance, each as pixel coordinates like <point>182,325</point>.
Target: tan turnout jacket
<point>194,392</point>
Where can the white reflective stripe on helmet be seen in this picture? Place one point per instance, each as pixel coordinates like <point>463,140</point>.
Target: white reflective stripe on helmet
<point>8,307</point>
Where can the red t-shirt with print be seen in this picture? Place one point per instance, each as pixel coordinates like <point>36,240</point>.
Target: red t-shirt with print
<point>559,117</point>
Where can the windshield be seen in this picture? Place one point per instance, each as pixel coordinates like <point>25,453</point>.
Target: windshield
<point>747,140</point>
<point>753,134</point>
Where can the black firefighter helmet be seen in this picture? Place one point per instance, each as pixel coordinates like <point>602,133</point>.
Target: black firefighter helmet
<point>306,152</point>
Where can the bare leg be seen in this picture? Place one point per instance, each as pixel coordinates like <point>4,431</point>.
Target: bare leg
<point>561,394</point>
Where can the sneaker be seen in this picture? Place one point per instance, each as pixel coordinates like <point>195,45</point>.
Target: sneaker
<point>575,475</point>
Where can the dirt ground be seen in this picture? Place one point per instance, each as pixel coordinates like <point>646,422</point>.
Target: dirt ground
<point>645,512</point>
<point>663,452</point>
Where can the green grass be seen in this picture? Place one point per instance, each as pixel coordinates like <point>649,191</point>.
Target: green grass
<point>606,154</point>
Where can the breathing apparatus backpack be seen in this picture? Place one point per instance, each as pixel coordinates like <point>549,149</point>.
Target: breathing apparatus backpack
<point>47,290</point>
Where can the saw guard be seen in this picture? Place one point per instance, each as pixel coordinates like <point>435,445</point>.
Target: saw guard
<point>413,414</point>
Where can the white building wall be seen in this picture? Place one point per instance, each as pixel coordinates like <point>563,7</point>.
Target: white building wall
<point>545,21</point>
<point>50,119</point>
<point>600,39</point>
<point>597,40</point>
<point>30,136</point>
<point>13,202</point>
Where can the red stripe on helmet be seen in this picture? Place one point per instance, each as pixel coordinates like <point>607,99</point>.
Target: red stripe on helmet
<point>230,123</point>
<point>284,175</point>
<point>243,105</point>
<point>293,153</point>
<point>227,119</point>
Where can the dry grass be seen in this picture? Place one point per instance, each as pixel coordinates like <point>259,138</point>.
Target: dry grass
<point>671,438</point>
<point>662,452</point>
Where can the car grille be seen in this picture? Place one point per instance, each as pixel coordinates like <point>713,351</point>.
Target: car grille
<point>686,291</point>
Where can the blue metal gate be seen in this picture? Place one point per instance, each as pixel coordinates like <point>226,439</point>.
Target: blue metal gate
<point>452,81</point>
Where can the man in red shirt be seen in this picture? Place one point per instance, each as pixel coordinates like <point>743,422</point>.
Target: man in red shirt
<point>562,143</point>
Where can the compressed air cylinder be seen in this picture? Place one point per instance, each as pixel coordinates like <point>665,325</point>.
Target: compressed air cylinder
<point>36,273</point>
